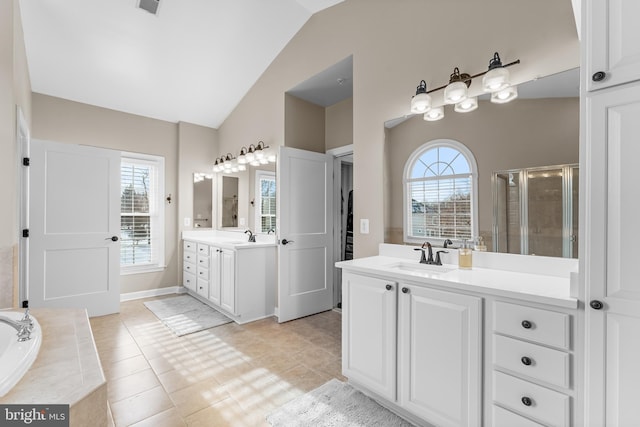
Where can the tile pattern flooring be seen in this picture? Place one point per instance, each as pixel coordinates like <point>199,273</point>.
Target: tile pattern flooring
<point>230,375</point>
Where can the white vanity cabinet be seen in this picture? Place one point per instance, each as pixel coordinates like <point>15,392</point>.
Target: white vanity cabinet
<point>610,253</point>
<point>440,355</point>
<point>611,42</point>
<point>240,282</point>
<point>531,367</point>
<point>416,347</point>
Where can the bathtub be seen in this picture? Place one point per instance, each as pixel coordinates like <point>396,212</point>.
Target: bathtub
<point>16,357</point>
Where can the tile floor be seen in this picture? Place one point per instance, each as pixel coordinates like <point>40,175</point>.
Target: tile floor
<point>230,375</point>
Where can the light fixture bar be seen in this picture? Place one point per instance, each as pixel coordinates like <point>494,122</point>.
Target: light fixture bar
<point>474,76</point>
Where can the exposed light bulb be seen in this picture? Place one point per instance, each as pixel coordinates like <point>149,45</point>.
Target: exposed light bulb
<point>436,113</point>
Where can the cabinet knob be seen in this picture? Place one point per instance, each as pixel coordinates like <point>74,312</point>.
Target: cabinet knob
<point>405,290</point>
<point>526,401</point>
<point>526,361</point>
<point>596,305</point>
<point>389,287</point>
<point>598,76</point>
<point>526,324</point>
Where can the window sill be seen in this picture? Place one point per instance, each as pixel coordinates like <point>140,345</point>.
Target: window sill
<point>141,270</point>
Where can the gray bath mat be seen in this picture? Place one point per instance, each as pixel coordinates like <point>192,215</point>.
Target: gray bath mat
<point>334,404</point>
<point>185,315</point>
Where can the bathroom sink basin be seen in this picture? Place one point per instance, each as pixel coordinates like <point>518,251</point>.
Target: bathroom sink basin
<point>420,269</point>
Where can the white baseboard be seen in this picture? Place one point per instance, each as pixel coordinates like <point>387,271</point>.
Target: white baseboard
<point>129,296</point>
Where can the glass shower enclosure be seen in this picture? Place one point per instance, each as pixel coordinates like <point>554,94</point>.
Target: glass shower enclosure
<point>535,211</point>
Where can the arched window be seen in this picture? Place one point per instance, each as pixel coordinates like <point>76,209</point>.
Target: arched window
<point>440,188</point>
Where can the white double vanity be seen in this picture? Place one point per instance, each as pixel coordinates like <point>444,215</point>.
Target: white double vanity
<point>442,346</point>
<point>230,273</point>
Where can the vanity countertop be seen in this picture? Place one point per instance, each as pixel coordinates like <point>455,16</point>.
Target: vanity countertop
<point>540,288</point>
<point>229,240</point>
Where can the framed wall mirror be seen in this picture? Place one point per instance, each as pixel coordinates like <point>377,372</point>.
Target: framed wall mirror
<point>202,200</point>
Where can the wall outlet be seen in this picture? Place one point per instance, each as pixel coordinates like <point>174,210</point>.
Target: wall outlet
<point>242,221</point>
<point>364,226</point>
<point>187,222</point>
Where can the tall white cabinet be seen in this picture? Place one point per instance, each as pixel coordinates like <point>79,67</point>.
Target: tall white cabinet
<point>611,199</point>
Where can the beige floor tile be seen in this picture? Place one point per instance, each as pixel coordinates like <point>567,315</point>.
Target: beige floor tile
<point>198,396</point>
<point>140,406</point>
<point>168,418</point>
<point>116,354</point>
<point>128,386</point>
<point>125,367</point>
<point>224,413</point>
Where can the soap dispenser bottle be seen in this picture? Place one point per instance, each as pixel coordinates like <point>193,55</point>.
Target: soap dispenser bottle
<point>465,256</point>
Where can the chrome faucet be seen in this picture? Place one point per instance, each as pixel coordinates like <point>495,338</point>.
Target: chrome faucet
<point>447,242</point>
<point>271,230</point>
<point>23,326</point>
<point>428,259</point>
<point>252,237</point>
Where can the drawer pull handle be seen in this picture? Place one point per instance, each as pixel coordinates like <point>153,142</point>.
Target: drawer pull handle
<point>526,324</point>
<point>526,401</point>
<point>389,287</point>
<point>405,290</point>
<point>526,361</point>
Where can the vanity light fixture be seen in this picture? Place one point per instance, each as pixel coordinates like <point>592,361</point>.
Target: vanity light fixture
<point>255,155</point>
<point>242,157</point>
<point>495,80</point>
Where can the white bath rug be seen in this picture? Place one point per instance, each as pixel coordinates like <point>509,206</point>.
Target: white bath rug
<point>334,404</point>
<point>185,315</point>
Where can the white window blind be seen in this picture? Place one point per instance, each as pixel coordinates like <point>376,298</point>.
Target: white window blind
<point>141,213</point>
<point>266,201</point>
<point>440,194</point>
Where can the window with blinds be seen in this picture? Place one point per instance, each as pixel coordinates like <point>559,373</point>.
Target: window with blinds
<point>439,189</point>
<point>141,213</point>
<point>265,201</point>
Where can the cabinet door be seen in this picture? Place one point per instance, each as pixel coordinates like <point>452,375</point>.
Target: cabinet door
<point>440,356</point>
<point>228,280</point>
<point>214,276</point>
<point>611,258</point>
<point>369,333</point>
<point>611,37</point>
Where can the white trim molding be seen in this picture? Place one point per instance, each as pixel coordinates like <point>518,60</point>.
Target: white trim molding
<point>130,296</point>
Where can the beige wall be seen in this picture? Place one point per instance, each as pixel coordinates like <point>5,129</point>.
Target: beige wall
<point>395,45</point>
<point>524,133</point>
<point>338,130</point>
<point>59,120</point>
<point>15,90</point>
<point>303,125</point>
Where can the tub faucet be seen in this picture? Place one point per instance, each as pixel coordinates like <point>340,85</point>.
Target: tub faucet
<point>23,326</point>
<point>252,237</point>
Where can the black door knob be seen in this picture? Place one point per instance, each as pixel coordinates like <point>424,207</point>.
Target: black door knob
<point>596,305</point>
<point>526,401</point>
<point>389,287</point>
<point>598,76</point>
<point>526,324</point>
<point>405,290</point>
<point>286,242</point>
<point>526,361</point>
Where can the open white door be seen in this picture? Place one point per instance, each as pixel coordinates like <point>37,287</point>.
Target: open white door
<point>305,232</point>
<point>74,252</point>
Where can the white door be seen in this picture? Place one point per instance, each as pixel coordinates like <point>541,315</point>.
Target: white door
<point>439,355</point>
<point>369,333</point>
<point>305,231</point>
<point>612,309</point>
<point>74,252</point>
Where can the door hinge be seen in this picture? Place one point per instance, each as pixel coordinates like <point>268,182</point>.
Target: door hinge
<point>26,161</point>
<point>25,232</point>
<point>25,304</point>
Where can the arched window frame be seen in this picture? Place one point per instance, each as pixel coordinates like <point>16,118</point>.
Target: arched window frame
<point>406,180</point>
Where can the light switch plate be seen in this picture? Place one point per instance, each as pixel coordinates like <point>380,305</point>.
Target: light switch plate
<point>364,226</point>
<point>242,221</point>
<point>187,222</point>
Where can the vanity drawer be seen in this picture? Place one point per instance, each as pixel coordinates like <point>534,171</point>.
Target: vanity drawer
<point>542,363</point>
<point>203,287</point>
<point>189,246</point>
<point>191,268</point>
<point>190,257</point>
<point>540,403</point>
<point>189,280</point>
<point>504,418</point>
<point>533,324</point>
<point>203,249</point>
<point>203,274</point>
<point>203,261</point>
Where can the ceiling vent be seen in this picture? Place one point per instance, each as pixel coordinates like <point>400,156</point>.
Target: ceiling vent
<point>150,6</point>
